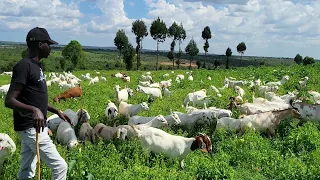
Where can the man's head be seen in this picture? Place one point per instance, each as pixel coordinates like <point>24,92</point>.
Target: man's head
<point>39,41</point>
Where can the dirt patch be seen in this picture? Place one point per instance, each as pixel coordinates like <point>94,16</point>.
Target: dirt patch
<point>183,63</point>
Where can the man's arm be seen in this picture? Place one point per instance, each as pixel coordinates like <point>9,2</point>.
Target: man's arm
<point>12,102</point>
<point>52,109</point>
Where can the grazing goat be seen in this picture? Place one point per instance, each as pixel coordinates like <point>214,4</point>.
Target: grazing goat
<point>111,111</point>
<point>259,107</point>
<point>94,80</point>
<point>304,82</point>
<point>315,96</point>
<point>132,110</point>
<point>154,92</point>
<point>4,89</point>
<point>264,89</point>
<point>189,98</point>
<point>123,95</point>
<point>307,111</point>
<point>7,147</point>
<point>80,116</point>
<point>108,132</point>
<point>103,78</point>
<point>173,118</point>
<point>66,135</point>
<point>267,120</point>
<point>87,133</point>
<point>159,141</point>
<point>278,83</point>
<point>70,93</point>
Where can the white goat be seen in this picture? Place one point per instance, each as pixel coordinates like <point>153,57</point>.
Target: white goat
<point>172,118</point>
<point>4,89</point>
<point>189,98</point>
<point>132,110</point>
<point>304,82</point>
<point>111,111</point>
<point>123,95</point>
<point>278,83</point>
<point>154,92</point>
<point>94,80</point>
<point>66,135</point>
<point>103,78</point>
<point>159,141</point>
<point>7,147</point>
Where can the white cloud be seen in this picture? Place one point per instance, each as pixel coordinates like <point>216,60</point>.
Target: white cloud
<point>273,27</point>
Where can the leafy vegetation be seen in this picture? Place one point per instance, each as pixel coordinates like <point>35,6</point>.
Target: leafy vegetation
<point>294,153</point>
<point>298,59</point>
<point>192,50</point>
<point>73,53</point>
<point>121,40</point>
<point>140,30</point>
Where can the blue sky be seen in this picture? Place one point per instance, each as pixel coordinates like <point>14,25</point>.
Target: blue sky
<point>280,28</point>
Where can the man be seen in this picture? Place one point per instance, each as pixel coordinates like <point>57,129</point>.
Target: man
<point>28,98</point>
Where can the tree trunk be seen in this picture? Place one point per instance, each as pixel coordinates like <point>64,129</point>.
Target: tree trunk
<point>157,55</point>
<point>205,59</point>
<point>190,62</point>
<point>173,62</point>
<point>227,64</point>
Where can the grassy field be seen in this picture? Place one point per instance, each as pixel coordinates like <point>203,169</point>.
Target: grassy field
<point>294,153</point>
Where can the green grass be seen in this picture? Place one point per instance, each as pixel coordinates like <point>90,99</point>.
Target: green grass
<point>293,154</point>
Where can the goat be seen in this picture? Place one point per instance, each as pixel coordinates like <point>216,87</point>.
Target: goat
<point>123,95</point>
<point>264,89</point>
<point>80,116</point>
<point>111,111</point>
<point>154,92</point>
<point>66,135</point>
<point>87,133</point>
<point>189,98</point>
<point>278,83</point>
<point>108,132</point>
<point>94,80</point>
<point>304,82</point>
<point>132,110</point>
<point>159,141</point>
<point>7,147</point>
<point>307,111</point>
<point>173,118</point>
<point>70,93</point>
<point>4,89</point>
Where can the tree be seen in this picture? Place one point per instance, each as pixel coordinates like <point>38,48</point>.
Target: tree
<point>198,64</point>
<point>128,55</point>
<point>158,31</point>
<point>173,32</point>
<point>192,50</point>
<point>298,59</point>
<point>241,48</point>
<point>73,52</point>
<point>24,53</point>
<point>181,35</point>
<point>206,34</point>
<point>178,61</point>
<point>216,63</point>
<point>228,54</point>
<point>308,60</point>
<point>121,40</point>
<point>140,30</point>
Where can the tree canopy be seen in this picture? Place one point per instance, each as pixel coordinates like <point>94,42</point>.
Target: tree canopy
<point>308,60</point>
<point>158,31</point>
<point>241,48</point>
<point>121,40</point>
<point>228,54</point>
<point>192,50</point>
<point>128,55</point>
<point>298,59</point>
<point>73,52</point>
<point>140,30</point>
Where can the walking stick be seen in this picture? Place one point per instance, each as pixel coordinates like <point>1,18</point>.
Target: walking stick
<point>38,154</point>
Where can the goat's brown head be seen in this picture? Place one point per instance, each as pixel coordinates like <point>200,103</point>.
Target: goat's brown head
<point>56,99</point>
<point>202,142</point>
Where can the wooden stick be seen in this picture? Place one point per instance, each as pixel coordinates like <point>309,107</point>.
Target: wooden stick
<point>38,153</point>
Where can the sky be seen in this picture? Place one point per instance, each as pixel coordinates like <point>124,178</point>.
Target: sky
<point>276,28</point>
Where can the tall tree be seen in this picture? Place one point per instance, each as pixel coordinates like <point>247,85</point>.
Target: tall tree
<point>181,35</point>
<point>298,59</point>
<point>228,54</point>
<point>192,50</point>
<point>206,35</point>
<point>241,48</point>
<point>128,55</point>
<point>140,30</point>
<point>173,32</point>
<point>158,31</point>
<point>121,40</point>
<point>74,53</point>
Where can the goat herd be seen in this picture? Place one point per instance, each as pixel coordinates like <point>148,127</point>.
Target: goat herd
<point>263,114</point>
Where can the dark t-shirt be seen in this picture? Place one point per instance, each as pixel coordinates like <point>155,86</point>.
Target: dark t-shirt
<point>29,73</point>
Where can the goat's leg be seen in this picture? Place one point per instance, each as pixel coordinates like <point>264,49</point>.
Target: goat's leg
<point>182,163</point>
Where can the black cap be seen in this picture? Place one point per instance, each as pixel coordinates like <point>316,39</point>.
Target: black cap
<point>39,34</point>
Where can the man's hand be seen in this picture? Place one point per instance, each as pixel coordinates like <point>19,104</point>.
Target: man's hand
<point>64,117</point>
<point>38,120</point>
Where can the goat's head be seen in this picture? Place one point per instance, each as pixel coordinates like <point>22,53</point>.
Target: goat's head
<point>83,115</point>
<point>56,99</point>
<point>175,118</point>
<point>295,113</point>
<point>7,143</point>
<point>144,106</point>
<point>130,92</point>
<point>161,120</point>
<point>202,142</point>
<point>112,112</point>
<point>122,133</point>
<point>72,144</point>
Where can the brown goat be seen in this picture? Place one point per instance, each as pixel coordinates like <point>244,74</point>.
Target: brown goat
<point>70,93</point>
